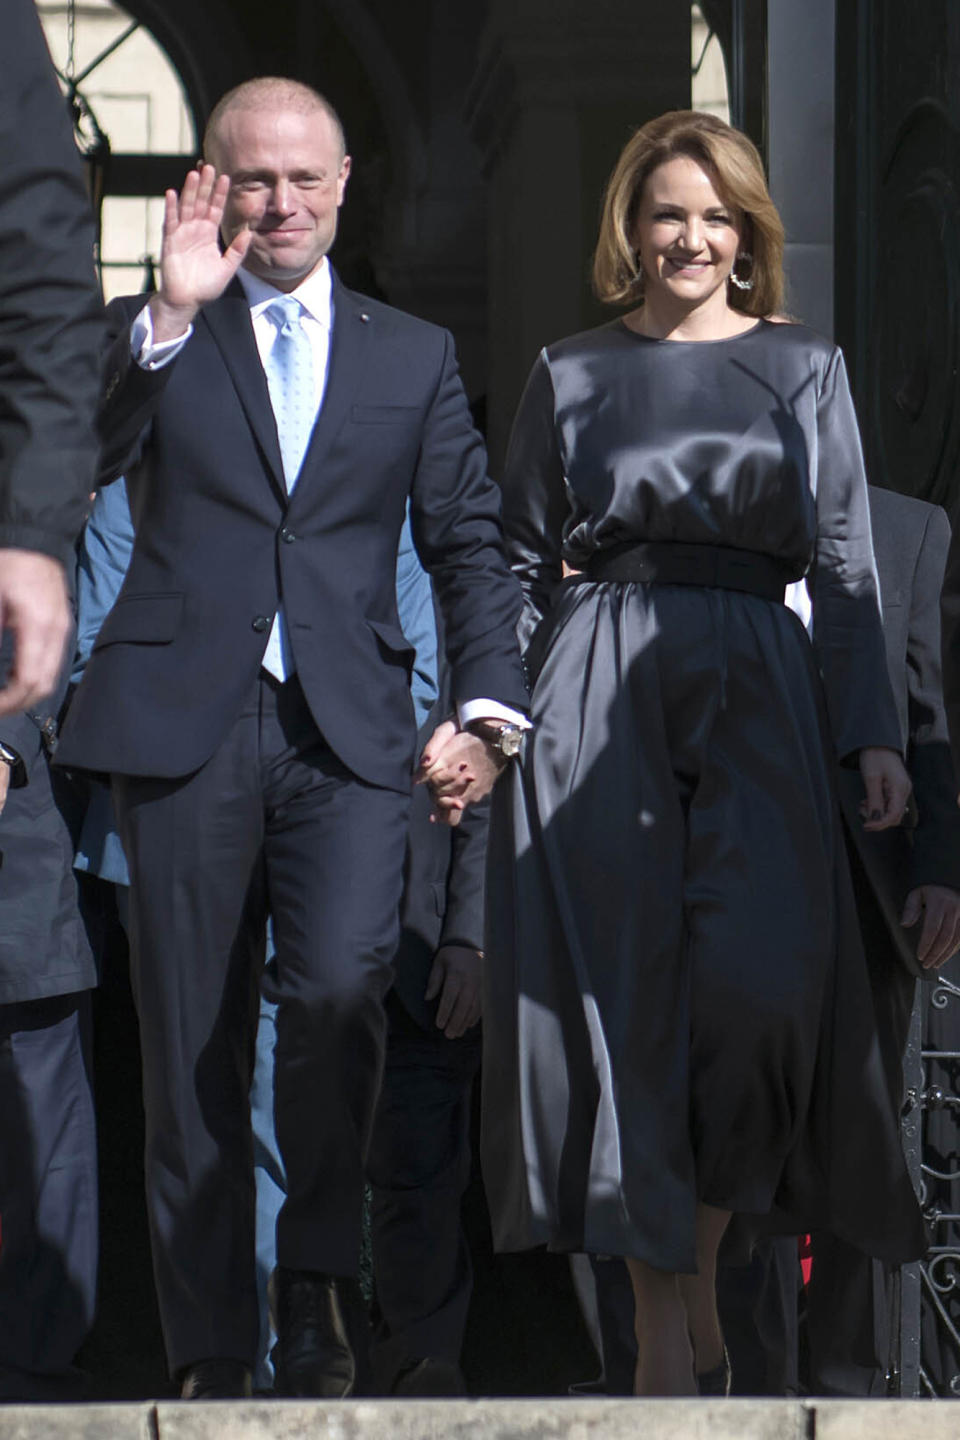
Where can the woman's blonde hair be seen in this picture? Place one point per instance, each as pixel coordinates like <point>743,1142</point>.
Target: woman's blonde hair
<point>735,163</point>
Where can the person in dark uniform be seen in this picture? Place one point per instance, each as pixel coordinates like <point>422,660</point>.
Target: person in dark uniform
<point>48,1159</point>
<point>51,326</point>
<point>51,322</point>
<point>419,1161</point>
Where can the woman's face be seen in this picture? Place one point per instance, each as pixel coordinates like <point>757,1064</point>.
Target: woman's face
<point>687,237</point>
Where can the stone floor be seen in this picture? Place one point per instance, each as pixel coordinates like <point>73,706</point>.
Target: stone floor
<point>490,1420</point>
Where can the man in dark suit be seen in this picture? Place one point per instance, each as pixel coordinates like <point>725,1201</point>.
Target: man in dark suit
<point>250,694</point>
<point>51,327</point>
<point>907,885</point>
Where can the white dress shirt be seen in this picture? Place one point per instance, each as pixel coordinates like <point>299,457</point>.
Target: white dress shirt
<point>315,296</point>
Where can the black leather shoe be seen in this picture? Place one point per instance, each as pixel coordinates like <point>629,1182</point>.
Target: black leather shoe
<point>430,1378</point>
<point>216,1380</point>
<point>321,1328</point>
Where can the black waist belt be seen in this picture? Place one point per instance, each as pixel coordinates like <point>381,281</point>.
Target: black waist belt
<point>669,563</point>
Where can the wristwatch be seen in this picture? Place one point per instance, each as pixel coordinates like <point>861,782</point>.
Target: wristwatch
<point>502,737</point>
<point>18,771</point>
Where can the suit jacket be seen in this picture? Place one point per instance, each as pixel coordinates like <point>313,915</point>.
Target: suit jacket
<point>950,652</point>
<point>911,539</point>
<point>218,541</point>
<point>51,316</point>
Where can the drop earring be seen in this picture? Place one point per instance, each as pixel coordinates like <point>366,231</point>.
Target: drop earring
<point>735,279</point>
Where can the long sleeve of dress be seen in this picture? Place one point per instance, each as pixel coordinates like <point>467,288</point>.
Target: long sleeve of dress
<point>847,627</point>
<point>535,502</point>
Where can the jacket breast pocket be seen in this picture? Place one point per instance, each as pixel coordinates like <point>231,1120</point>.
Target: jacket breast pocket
<point>142,620</point>
<point>383,414</point>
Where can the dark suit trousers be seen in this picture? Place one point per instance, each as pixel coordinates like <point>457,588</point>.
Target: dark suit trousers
<point>418,1170</point>
<point>273,821</point>
<point>48,1195</point>
<point>851,1325</point>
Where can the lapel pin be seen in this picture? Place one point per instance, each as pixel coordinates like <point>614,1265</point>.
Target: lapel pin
<point>364,317</point>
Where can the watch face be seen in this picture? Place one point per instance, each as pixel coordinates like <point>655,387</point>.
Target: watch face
<point>510,738</point>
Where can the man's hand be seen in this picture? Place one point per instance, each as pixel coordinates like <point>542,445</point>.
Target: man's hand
<point>887,786</point>
<point>456,977</point>
<point>193,270</point>
<point>4,784</point>
<point>35,610</point>
<point>459,768</point>
<point>940,936</point>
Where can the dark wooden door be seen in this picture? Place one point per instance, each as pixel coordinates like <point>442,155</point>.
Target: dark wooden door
<point>898,236</point>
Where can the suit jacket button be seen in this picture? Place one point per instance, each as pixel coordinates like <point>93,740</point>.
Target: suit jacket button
<point>261,623</point>
<point>287,536</point>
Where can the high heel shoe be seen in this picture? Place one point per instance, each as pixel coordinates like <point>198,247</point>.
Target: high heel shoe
<point>718,1380</point>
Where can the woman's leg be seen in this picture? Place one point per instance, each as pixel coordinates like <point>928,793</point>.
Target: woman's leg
<point>699,1292</point>
<point>665,1360</point>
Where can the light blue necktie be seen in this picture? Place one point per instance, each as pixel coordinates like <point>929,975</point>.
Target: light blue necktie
<point>289,372</point>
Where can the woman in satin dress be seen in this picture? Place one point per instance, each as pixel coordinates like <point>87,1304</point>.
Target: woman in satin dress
<point>678,1021</point>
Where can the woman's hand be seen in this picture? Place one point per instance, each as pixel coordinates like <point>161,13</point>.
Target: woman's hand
<point>459,768</point>
<point>887,787</point>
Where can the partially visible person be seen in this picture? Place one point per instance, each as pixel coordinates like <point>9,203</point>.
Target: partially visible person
<point>103,556</point>
<point>419,1160</point>
<point>51,328</point>
<point>48,1161</point>
<point>677,1017</point>
<point>419,1157</point>
<point>907,886</point>
<point>950,644</point>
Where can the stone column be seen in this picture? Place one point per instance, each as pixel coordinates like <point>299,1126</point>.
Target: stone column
<point>559,87</point>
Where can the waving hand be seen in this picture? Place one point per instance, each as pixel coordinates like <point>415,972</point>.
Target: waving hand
<point>193,270</point>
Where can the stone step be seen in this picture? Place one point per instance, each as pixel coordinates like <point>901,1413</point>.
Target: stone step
<point>546,1419</point>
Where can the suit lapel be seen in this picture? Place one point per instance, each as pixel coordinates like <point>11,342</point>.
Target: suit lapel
<point>229,321</point>
<point>349,342</point>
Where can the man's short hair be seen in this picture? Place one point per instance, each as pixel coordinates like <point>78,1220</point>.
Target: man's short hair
<point>269,92</point>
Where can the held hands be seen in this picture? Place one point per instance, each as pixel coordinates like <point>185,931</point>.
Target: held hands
<point>456,977</point>
<point>459,768</point>
<point>193,270</point>
<point>940,936</point>
<point>887,786</point>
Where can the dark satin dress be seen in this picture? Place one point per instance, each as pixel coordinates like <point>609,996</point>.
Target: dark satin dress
<point>677,1003</point>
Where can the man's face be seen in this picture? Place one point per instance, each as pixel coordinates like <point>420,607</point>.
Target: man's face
<point>287,181</point>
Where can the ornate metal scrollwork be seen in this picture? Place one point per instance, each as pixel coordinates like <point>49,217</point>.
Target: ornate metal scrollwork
<point>929,1359</point>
